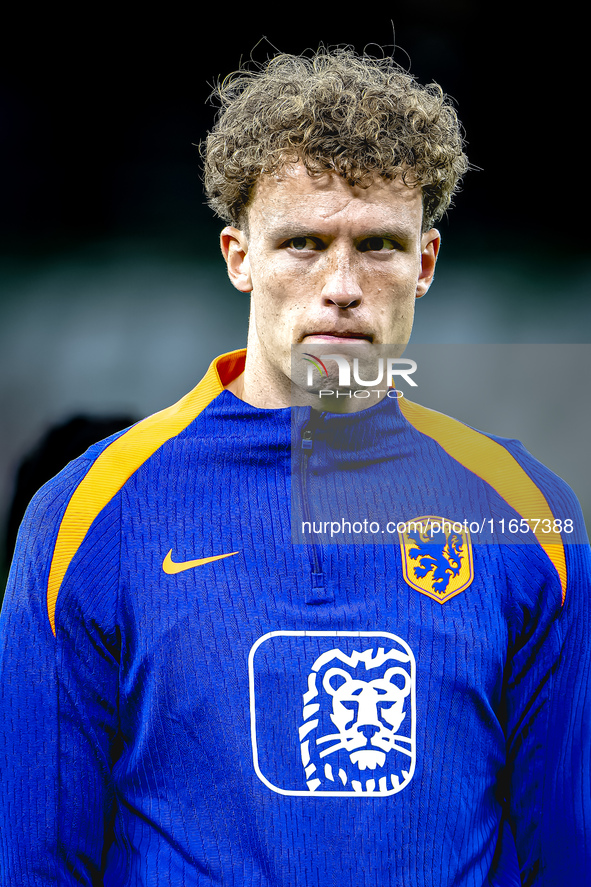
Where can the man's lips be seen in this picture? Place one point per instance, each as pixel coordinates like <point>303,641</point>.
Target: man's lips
<point>334,336</point>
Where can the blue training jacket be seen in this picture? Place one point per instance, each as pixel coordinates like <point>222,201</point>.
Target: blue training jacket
<point>277,648</point>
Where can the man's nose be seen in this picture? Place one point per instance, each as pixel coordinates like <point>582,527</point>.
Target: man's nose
<point>341,287</point>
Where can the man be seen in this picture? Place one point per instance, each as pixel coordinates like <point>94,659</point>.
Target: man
<point>191,697</point>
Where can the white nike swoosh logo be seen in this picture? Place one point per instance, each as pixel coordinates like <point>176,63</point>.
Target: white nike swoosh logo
<point>171,567</point>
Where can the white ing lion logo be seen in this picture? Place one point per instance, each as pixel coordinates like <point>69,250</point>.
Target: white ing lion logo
<point>366,753</point>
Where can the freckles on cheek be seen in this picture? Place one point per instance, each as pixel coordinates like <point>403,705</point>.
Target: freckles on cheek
<point>279,297</point>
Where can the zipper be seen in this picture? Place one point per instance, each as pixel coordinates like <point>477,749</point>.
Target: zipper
<point>306,449</point>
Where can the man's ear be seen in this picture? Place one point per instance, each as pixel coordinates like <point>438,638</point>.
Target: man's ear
<point>430,243</point>
<point>234,247</point>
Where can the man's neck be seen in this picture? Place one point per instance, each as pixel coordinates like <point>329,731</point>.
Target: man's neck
<point>236,386</point>
<point>262,396</point>
<point>252,395</point>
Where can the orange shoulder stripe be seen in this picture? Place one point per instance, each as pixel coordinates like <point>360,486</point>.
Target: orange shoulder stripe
<point>495,465</point>
<point>121,459</point>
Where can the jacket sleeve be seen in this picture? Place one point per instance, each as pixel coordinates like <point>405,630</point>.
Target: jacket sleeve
<point>548,698</point>
<point>58,701</point>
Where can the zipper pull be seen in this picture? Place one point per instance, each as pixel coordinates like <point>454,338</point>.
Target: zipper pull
<point>308,431</point>
<point>307,440</point>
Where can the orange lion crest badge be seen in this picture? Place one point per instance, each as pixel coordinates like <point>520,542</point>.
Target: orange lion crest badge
<point>437,556</point>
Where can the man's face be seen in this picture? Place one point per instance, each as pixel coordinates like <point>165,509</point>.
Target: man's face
<point>327,263</point>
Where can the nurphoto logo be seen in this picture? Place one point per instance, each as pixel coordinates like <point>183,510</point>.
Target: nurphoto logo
<point>384,372</point>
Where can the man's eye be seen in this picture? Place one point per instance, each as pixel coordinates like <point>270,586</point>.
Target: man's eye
<point>301,243</point>
<point>377,245</point>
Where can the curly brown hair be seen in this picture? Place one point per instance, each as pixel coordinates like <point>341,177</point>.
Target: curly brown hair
<point>339,111</point>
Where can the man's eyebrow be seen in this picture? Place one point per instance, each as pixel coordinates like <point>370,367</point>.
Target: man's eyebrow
<point>288,232</point>
<point>391,232</point>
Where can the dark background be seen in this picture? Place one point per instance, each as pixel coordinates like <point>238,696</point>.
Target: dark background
<point>99,113</point>
<point>113,296</point>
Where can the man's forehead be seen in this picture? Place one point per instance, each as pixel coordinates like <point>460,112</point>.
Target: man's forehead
<point>292,190</point>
